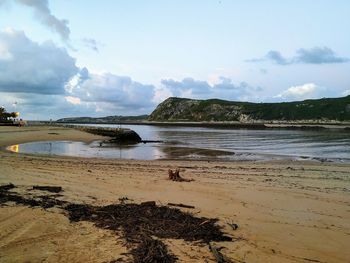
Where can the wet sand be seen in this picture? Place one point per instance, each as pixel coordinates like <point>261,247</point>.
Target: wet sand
<point>287,211</point>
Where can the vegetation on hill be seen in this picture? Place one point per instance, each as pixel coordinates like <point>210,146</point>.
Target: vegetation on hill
<point>108,119</point>
<point>182,109</point>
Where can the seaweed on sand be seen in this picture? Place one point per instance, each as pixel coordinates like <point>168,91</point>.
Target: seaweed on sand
<point>135,220</point>
<point>142,225</point>
<point>151,250</point>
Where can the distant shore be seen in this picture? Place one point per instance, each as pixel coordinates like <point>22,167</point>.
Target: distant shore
<point>286,211</point>
<point>233,125</point>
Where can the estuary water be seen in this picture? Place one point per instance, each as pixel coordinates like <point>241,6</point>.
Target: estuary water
<point>210,143</point>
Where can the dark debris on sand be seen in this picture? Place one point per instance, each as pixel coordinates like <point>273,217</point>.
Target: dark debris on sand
<point>151,250</point>
<point>136,220</point>
<point>52,189</point>
<point>40,201</point>
<point>142,225</point>
<point>6,187</point>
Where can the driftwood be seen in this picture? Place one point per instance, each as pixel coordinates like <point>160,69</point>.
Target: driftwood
<point>233,225</point>
<point>181,205</point>
<point>220,258</point>
<point>149,203</point>
<point>124,199</point>
<point>151,141</point>
<point>175,176</point>
<point>52,189</point>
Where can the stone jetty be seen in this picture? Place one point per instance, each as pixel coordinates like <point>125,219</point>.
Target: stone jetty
<point>121,135</point>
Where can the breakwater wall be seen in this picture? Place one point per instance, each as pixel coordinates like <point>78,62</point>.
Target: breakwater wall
<point>116,134</point>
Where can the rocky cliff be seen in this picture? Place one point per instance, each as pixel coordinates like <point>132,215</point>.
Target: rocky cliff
<point>321,110</point>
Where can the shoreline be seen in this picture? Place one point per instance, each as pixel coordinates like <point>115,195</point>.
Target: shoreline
<point>287,211</point>
<point>180,153</point>
<point>168,152</point>
<point>345,126</point>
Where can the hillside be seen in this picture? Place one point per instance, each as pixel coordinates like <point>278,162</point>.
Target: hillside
<point>181,109</point>
<point>108,119</point>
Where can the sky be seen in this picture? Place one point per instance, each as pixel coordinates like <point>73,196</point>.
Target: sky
<point>64,58</point>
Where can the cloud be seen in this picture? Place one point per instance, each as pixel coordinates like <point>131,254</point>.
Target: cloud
<point>111,92</point>
<point>43,14</point>
<point>44,107</point>
<point>198,89</point>
<point>43,78</point>
<point>272,55</point>
<point>188,87</point>
<point>73,100</point>
<point>316,55</point>
<point>346,92</point>
<point>30,67</point>
<point>276,57</point>
<point>90,43</point>
<point>303,92</point>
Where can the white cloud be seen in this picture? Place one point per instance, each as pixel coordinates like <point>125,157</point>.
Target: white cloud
<point>302,92</point>
<point>346,92</point>
<point>73,100</point>
<point>30,67</point>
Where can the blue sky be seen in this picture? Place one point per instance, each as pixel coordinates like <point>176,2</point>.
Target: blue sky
<point>61,58</point>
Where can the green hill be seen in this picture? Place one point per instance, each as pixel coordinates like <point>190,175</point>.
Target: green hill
<point>101,120</point>
<point>181,109</point>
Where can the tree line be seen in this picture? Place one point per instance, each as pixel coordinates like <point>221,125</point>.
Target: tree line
<point>4,115</point>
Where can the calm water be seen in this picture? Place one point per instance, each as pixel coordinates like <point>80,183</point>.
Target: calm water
<point>230,144</point>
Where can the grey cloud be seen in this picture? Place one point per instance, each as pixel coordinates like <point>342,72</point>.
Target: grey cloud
<point>91,43</point>
<point>272,55</point>
<point>117,91</point>
<point>43,106</point>
<point>196,89</point>
<point>43,14</point>
<point>276,57</point>
<point>44,78</point>
<point>316,55</point>
<point>29,67</point>
<point>188,85</point>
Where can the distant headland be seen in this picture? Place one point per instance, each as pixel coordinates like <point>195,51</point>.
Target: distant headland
<point>221,112</point>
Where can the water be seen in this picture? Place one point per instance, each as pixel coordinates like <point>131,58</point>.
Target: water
<point>224,144</point>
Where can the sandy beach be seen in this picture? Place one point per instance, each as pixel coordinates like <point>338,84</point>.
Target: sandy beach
<point>287,211</point>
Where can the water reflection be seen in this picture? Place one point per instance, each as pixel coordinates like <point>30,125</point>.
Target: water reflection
<point>14,148</point>
<point>210,143</point>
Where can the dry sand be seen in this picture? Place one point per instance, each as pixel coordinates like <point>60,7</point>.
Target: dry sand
<point>287,211</point>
